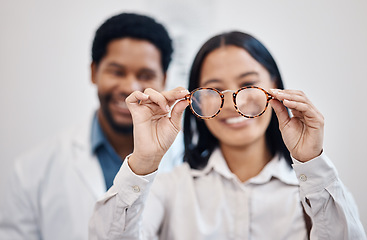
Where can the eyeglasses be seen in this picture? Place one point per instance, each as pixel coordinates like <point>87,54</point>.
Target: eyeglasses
<point>250,101</point>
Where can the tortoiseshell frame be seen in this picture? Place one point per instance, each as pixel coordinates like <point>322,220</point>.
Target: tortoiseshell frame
<point>189,96</point>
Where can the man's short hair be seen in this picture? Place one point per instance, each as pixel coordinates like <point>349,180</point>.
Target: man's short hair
<point>134,26</point>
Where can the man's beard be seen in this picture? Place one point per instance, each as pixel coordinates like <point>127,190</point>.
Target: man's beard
<point>125,129</point>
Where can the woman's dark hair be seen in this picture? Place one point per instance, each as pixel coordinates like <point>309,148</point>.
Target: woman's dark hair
<point>134,26</point>
<point>199,142</point>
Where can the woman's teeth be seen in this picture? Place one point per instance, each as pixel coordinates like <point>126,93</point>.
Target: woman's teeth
<point>235,120</point>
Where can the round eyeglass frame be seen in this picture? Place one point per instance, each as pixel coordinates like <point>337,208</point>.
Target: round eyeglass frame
<point>188,97</point>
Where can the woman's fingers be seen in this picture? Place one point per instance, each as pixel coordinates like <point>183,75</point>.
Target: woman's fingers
<point>175,94</point>
<point>281,112</point>
<point>292,95</point>
<point>158,99</point>
<point>155,100</point>
<point>154,129</point>
<point>303,132</point>
<point>165,99</point>
<point>294,99</point>
<point>176,97</point>
<point>299,104</point>
<point>177,111</point>
<point>136,97</point>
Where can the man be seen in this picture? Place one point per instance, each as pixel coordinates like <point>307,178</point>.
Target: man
<point>53,189</point>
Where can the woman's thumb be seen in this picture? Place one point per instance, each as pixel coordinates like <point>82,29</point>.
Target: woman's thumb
<point>176,113</point>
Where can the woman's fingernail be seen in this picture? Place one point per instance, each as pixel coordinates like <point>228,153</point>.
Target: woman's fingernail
<point>277,91</point>
<point>168,108</point>
<point>184,91</point>
<point>273,90</point>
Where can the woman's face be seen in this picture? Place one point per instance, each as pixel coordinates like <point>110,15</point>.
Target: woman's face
<point>231,68</point>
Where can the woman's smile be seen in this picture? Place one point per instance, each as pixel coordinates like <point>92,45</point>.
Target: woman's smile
<point>236,122</point>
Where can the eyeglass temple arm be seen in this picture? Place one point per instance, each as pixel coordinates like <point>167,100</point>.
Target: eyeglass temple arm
<point>186,98</point>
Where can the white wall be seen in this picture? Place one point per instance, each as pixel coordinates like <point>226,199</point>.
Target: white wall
<point>320,46</point>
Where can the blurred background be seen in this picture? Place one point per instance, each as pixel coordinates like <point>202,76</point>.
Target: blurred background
<point>320,48</point>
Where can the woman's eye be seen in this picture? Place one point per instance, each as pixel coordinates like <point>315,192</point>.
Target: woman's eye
<point>220,88</point>
<point>246,84</point>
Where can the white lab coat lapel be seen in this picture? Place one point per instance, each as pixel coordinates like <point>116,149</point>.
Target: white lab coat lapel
<point>86,163</point>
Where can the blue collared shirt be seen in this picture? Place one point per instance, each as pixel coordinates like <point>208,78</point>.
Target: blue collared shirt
<point>109,160</point>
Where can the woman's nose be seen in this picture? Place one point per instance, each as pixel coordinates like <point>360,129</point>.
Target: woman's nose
<point>228,100</point>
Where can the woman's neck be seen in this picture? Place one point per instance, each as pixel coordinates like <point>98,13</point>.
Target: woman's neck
<point>247,161</point>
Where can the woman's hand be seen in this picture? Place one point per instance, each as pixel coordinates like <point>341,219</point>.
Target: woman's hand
<point>302,133</point>
<point>154,130</point>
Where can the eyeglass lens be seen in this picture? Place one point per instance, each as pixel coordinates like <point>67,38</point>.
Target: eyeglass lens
<point>207,102</point>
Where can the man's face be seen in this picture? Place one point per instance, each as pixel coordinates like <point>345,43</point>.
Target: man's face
<point>129,65</point>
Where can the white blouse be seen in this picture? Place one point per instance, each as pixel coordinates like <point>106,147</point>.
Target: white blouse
<point>213,204</point>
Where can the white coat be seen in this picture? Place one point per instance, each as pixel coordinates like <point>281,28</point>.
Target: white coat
<point>53,189</point>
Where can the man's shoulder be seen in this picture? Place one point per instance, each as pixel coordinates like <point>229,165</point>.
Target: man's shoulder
<point>55,147</point>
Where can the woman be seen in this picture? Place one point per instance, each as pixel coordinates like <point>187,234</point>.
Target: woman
<point>239,181</point>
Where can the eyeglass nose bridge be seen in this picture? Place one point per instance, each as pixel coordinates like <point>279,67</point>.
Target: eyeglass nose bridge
<point>225,91</point>
<point>234,94</point>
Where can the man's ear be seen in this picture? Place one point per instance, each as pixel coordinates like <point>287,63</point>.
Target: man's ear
<point>93,72</point>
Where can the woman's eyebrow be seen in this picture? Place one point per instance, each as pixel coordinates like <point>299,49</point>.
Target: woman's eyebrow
<point>211,81</point>
<point>242,75</point>
<point>247,74</point>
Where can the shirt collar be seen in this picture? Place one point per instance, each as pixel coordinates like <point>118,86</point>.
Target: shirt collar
<point>277,167</point>
<point>97,137</point>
